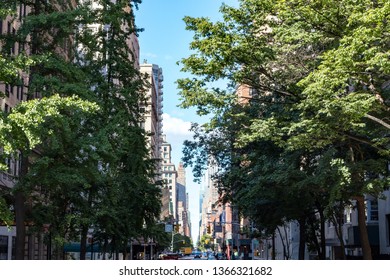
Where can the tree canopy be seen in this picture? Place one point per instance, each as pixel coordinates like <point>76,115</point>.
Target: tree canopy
<point>84,158</point>
<point>317,79</point>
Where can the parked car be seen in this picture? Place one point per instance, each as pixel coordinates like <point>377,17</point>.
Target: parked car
<point>170,256</point>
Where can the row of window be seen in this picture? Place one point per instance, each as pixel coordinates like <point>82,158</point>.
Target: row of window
<point>12,89</point>
<point>12,47</point>
<point>13,166</point>
<point>372,213</point>
<point>168,168</point>
<point>22,12</point>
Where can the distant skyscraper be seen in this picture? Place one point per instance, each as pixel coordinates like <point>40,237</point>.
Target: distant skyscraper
<point>182,201</point>
<point>181,174</point>
<point>169,176</point>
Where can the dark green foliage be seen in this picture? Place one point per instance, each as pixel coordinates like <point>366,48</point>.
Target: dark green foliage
<point>88,172</point>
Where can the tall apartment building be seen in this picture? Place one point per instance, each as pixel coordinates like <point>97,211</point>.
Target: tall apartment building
<point>169,176</point>
<point>153,108</point>
<point>182,201</point>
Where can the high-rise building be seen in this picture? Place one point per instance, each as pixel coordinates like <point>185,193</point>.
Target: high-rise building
<point>181,174</point>
<point>152,109</point>
<point>182,201</point>
<point>169,177</point>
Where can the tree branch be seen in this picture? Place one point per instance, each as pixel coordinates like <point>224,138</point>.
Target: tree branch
<point>375,119</point>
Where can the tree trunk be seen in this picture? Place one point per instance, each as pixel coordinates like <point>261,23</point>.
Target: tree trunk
<point>342,245</point>
<point>125,254</point>
<point>83,243</point>
<point>361,209</point>
<point>339,231</point>
<point>366,248</point>
<point>322,255</point>
<point>20,217</point>
<point>285,248</point>
<point>302,239</point>
<point>20,212</point>
<point>273,246</point>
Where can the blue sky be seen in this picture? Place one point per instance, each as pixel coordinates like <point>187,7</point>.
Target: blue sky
<point>164,42</point>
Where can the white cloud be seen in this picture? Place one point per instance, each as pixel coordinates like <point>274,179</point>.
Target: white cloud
<point>176,131</point>
<point>176,126</point>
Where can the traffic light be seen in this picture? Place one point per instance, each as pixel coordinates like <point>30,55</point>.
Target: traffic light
<point>209,229</point>
<point>184,242</point>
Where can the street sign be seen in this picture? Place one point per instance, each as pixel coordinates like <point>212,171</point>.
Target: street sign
<point>168,228</point>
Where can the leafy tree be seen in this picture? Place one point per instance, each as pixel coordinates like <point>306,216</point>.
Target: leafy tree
<point>132,201</point>
<point>205,242</point>
<point>180,241</point>
<point>92,174</point>
<point>31,123</point>
<point>318,72</point>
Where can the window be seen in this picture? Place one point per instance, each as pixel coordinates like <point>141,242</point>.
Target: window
<point>18,88</point>
<point>20,11</point>
<point>371,210</point>
<point>374,210</point>
<point>348,214</point>
<point>15,168</point>
<point>7,90</point>
<point>3,247</point>
<point>8,163</point>
<point>22,89</point>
